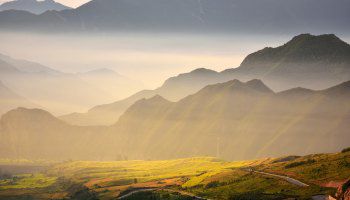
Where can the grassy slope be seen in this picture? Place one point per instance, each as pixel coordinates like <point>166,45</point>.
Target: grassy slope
<point>319,169</point>
<point>207,177</point>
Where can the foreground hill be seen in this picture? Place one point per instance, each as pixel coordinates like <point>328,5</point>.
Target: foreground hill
<point>232,120</point>
<point>309,61</point>
<point>238,16</point>
<point>189,178</point>
<point>33,6</point>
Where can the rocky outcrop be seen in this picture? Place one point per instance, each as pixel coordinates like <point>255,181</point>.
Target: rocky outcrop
<point>343,192</point>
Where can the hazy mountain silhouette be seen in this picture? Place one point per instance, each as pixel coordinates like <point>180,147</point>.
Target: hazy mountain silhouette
<point>233,120</point>
<point>10,100</point>
<point>33,6</point>
<point>62,92</point>
<point>237,16</point>
<point>246,120</point>
<point>174,89</point>
<point>36,134</point>
<point>309,61</point>
<point>27,66</point>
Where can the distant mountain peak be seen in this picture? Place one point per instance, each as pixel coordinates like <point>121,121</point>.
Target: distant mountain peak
<point>300,59</point>
<point>157,99</point>
<point>258,85</point>
<point>339,90</point>
<point>298,91</point>
<point>28,111</point>
<point>27,117</point>
<point>33,6</point>
<point>254,85</point>
<point>307,38</point>
<point>101,71</point>
<point>202,71</point>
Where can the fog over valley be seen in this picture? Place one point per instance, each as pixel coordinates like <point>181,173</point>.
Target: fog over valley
<point>175,99</point>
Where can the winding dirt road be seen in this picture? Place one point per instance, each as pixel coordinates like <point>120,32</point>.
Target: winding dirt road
<point>286,178</point>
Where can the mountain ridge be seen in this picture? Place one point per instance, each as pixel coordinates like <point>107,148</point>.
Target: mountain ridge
<point>237,16</point>
<point>33,6</point>
<point>278,75</point>
<point>249,120</point>
<point>47,87</point>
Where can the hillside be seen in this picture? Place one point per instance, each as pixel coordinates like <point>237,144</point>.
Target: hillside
<point>235,16</point>
<point>314,62</point>
<point>233,120</point>
<point>237,120</point>
<point>33,6</point>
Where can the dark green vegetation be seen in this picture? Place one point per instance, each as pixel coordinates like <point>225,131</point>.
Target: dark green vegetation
<point>182,179</point>
<point>346,150</point>
<point>158,195</point>
<point>295,164</point>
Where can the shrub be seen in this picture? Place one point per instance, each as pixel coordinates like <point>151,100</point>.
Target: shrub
<point>346,150</point>
<point>212,184</point>
<point>296,164</point>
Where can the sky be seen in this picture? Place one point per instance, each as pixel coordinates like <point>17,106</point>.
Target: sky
<point>70,3</point>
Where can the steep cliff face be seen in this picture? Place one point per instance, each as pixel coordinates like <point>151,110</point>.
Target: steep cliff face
<point>343,192</point>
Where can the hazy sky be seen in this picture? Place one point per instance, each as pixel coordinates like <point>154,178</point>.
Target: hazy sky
<point>71,3</point>
<point>145,57</point>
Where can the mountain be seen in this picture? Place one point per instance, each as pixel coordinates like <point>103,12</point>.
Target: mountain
<point>174,89</point>
<point>232,120</point>
<point>36,134</point>
<point>33,6</point>
<point>10,100</point>
<point>309,61</point>
<point>239,16</point>
<point>61,92</point>
<point>237,120</point>
<point>27,66</point>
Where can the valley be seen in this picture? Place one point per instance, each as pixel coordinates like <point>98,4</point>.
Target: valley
<point>189,178</point>
<point>174,99</point>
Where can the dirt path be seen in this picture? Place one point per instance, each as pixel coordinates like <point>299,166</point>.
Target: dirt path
<point>286,178</point>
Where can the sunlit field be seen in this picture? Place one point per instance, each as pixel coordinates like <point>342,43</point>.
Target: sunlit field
<point>182,178</point>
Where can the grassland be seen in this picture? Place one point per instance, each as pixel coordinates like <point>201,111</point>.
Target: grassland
<point>182,178</point>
